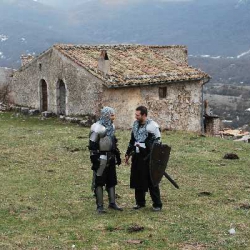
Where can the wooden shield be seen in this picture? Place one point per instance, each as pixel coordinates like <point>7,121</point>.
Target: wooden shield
<point>159,157</point>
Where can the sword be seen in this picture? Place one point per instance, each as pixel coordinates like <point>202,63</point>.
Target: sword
<point>165,174</point>
<point>171,180</point>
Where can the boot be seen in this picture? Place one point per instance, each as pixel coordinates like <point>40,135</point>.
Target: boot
<point>112,203</point>
<point>99,200</point>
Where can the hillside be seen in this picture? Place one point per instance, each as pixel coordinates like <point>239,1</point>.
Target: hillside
<point>46,201</point>
<point>232,71</point>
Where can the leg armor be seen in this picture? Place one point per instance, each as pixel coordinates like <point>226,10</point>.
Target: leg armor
<point>112,203</point>
<point>99,199</point>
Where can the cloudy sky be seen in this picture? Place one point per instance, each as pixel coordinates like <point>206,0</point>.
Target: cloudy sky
<point>60,2</point>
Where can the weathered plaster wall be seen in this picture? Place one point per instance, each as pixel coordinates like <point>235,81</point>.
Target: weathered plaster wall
<point>82,88</point>
<point>180,110</point>
<point>124,101</point>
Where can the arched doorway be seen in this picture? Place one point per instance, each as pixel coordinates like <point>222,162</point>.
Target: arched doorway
<point>43,96</point>
<point>61,97</point>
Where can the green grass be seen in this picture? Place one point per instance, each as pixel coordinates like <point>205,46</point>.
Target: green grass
<point>46,201</point>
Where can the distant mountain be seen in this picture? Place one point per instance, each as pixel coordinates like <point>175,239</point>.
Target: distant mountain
<point>215,27</point>
<point>224,70</point>
<point>28,26</point>
<point>207,27</point>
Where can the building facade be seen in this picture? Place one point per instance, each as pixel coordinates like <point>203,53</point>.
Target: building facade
<point>80,80</point>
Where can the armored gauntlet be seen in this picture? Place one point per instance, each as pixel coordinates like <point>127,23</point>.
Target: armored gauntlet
<point>95,161</point>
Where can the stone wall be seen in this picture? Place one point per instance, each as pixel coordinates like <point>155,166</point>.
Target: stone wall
<point>26,59</point>
<point>212,125</point>
<point>180,110</point>
<point>5,78</point>
<point>86,94</point>
<point>82,88</point>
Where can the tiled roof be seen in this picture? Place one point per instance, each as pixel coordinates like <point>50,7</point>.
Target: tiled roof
<point>131,65</point>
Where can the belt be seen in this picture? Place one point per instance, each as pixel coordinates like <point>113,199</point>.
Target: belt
<point>107,153</point>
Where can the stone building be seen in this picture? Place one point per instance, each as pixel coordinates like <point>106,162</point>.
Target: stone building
<point>6,75</point>
<point>80,79</point>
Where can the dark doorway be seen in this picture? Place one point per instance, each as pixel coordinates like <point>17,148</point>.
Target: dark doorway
<point>44,96</point>
<point>61,98</point>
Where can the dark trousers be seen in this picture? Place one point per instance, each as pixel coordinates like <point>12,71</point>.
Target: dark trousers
<point>154,193</point>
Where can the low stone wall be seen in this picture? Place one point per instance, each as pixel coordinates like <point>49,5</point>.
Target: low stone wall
<point>212,125</point>
<point>84,120</point>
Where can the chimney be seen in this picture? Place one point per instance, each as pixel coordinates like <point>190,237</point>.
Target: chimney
<point>26,59</point>
<point>104,63</point>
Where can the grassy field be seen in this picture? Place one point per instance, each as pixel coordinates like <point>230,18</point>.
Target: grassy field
<point>46,201</point>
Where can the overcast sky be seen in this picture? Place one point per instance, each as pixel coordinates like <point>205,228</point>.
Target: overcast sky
<point>60,2</point>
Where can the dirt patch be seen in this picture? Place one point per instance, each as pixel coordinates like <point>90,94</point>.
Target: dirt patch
<point>82,137</point>
<point>51,171</point>
<point>135,228</point>
<point>205,193</point>
<point>72,150</point>
<point>244,206</point>
<point>194,246</point>
<point>134,241</point>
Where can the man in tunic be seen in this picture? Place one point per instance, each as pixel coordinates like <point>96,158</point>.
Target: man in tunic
<point>104,156</point>
<point>144,133</point>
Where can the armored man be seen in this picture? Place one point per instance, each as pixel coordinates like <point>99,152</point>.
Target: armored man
<point>145,133</point>
<point>104,156</point>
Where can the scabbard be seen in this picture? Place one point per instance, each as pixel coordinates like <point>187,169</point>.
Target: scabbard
<point>171,180</point>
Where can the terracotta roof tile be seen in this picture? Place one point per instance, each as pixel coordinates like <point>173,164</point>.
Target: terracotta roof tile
<point>131,64</point>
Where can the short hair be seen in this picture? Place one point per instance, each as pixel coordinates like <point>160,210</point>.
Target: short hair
<point>143,110</point>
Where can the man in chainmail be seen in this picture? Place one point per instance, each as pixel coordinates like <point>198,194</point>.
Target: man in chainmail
<point>144,133</point>
<point>104,156</point>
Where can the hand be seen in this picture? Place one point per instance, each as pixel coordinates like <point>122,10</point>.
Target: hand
<point>127,159</point>
<point>95,162</point>
<point>118,161</point>
<point>95,167</point>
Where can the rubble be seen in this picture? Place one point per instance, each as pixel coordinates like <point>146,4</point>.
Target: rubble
<point>47,114</point>
<point>25,111</point>
<point>85,121</point>
<point>34,112</point>
<point>73,119</point>
<point>3,107</point>
<point>62,117</point>
<point>235,134</point>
